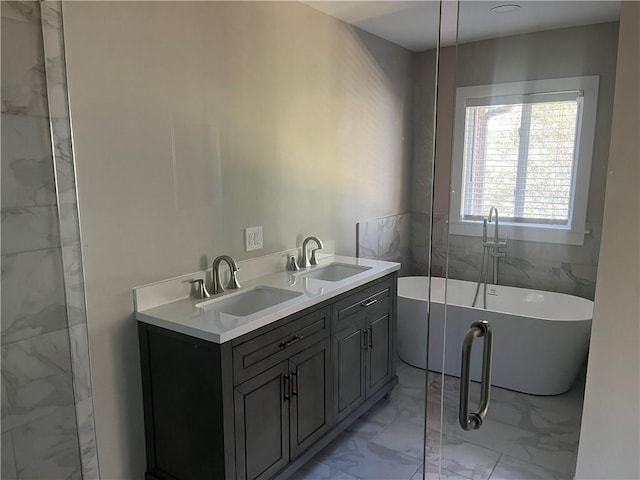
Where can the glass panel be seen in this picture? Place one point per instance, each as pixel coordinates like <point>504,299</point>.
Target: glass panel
<point>522,154</point>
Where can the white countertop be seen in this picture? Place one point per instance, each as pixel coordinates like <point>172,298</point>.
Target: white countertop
<point>184,316</point>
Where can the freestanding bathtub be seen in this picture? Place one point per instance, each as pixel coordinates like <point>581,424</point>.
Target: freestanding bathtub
<point>540,339</point>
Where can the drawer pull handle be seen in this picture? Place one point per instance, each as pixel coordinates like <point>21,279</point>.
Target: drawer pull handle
<point>296,338</point>
<point>369,302</point>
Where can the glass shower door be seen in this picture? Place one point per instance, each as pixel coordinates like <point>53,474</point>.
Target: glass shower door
<point>517,215</point>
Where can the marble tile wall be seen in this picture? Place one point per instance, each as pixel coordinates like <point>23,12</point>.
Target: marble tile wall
<point>400,238</point>
<point>541,266</point>
<point>386,238</point>
<point>46,387</point>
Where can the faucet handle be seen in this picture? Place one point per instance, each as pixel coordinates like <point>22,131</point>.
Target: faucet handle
<point>201,290</point>
<point>292,265</point>
<point>313,260</point>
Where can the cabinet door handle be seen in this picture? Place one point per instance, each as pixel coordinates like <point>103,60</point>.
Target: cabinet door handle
<point>370,335</point>
<point>365,339</point>
<point>296,338</point>
<point>370,302</point>
<point>286,386</point>
<point>294,384</point>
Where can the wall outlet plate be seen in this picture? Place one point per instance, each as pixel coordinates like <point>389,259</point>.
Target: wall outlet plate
<point>252,238</point>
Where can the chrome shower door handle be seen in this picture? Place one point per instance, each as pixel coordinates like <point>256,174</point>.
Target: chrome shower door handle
<point>473,421</point>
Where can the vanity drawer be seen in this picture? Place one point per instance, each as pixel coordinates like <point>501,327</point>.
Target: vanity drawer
<point>270,348</point>
<point>366,299</point>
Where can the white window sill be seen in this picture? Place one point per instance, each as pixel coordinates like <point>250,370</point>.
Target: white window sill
<point>526,232</point>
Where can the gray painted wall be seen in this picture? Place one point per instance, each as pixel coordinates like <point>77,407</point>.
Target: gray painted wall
<point>610,436</point>
<point>589,50</point>
<point>269,114</point>
<point>39,428</point>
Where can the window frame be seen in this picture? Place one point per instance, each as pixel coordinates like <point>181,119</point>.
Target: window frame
<point>574,232</point>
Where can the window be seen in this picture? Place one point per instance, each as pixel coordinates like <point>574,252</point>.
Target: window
<point>526,148</point>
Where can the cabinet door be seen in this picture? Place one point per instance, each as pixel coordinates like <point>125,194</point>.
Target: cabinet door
<point>379,352</point>
<point>310,395</point>
<point>262,424</point>
<point>349,357</point>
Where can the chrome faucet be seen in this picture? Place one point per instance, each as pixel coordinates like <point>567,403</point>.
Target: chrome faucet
<point>233,269</point>
<point>495,249</point>
<point>495,225</point>
<point>305,262</point>
<point>496,245</point>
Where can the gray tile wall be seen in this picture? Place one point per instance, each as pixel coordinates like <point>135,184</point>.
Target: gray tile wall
<point>46,388</point>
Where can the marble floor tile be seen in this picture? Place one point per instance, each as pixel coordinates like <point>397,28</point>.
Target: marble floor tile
<point>412,377</point>
<point>463,458</point>
<point>314,470</point>
<point>365,427</point>
<point>536,413</point>
<point>528,434</point>
<point>554,451</point>
<point>402,436</point>
<point>356,455</point>
<point>509,468</point>
<point>436,473</point>
<point>400,406</point>
<point>456,456</point>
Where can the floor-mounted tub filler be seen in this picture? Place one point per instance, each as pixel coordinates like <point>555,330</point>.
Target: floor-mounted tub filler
<point>540,339</point>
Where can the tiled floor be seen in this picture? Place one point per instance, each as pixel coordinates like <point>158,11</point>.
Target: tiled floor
<point>524,436</point>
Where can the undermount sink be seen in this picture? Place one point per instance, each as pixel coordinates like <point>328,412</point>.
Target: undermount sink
<point>334,272</point>
<point>249,302</point>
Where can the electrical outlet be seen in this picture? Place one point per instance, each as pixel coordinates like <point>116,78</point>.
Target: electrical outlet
<point>252,238</point>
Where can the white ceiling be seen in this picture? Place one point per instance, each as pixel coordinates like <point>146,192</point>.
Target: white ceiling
<point>414,24</point>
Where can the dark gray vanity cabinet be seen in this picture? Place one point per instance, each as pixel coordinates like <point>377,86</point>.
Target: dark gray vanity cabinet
<point>362,341</point>
<point>310,406</point>
<point>281,412</point>
<point>259,406</point>
<point>349,366</point>
<point>262,423</point>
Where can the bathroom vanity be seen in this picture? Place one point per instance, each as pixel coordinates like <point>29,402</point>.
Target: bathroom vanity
<point>255,396</point>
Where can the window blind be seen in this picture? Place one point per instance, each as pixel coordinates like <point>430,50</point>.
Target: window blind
<point>519,155</point>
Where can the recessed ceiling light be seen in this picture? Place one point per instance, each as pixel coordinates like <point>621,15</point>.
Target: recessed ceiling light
<point>506,8</point>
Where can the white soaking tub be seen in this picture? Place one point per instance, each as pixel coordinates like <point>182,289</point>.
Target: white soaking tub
<point>540,339</point>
